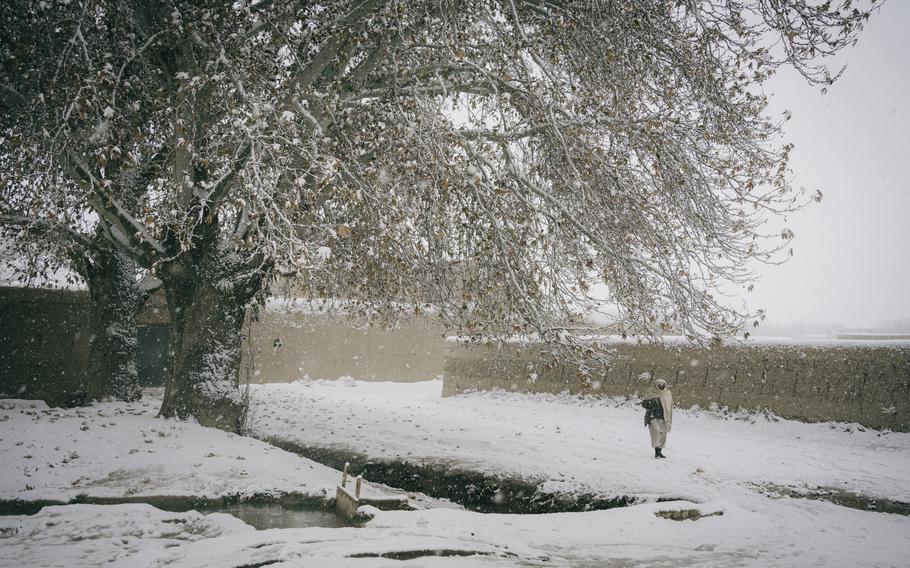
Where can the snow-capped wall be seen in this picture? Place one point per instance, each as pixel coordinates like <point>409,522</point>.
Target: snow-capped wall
<point>867,383</point>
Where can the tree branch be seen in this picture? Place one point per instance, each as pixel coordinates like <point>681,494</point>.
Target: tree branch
<point>10,98</point>
<point>224,184</point>
<point>330,48</point>
<point>123,229</point>
<point>43,228</point>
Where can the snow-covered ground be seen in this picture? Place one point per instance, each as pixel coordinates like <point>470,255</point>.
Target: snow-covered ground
<point>809,534</point>
<point>122,450</point>
<point>583,443</point>
<point>569,443</point>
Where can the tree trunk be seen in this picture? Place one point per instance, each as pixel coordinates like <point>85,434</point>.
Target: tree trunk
<point>115,304</point>
<point>207,301</point>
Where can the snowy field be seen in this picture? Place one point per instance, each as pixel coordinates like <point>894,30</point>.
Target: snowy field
<point>582,443</point>
<point>567,443</point>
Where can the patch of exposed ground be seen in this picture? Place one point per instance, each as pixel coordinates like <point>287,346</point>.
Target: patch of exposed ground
<point>174,503</point>
<point>838,497</point>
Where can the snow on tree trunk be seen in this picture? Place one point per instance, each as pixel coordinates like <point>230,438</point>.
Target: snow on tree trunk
<point>207,301</point>
<point>115,304</point>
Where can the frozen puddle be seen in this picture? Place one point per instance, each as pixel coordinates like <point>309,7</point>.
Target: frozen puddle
<point>838,497</point>
<point>259,515</point>
<point>270,516</point>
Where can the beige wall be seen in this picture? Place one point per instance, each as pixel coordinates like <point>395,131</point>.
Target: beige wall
<point>323,347</point>
<point>869,385</point>
<point>43,348</point>
<point>44,342</point>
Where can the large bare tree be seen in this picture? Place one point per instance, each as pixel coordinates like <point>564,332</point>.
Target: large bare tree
<point>47,239</point>
<point>514,163</point>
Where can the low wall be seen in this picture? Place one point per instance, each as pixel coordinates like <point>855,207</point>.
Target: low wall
<point>44,341</point>
<point>841,381</point>
<point>44,348</point>
<point>288,345</point>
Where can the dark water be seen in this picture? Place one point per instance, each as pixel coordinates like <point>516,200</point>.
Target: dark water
<point>277,517</point>
<point>474,490</point>
<point>258,514</point>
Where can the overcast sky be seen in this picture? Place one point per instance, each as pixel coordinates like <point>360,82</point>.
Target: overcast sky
<point>852,250</point>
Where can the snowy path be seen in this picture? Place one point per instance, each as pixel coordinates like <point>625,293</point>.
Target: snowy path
<point>582,443</point>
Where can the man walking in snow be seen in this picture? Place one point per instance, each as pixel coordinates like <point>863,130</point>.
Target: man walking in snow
<point>658,403</point>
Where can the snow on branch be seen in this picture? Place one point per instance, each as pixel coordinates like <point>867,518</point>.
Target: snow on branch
<point>127,233</point>
<point>518,165</point>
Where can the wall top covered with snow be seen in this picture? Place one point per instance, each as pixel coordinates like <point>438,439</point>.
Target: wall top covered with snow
<point>867,383</point>
<point>676,341</point>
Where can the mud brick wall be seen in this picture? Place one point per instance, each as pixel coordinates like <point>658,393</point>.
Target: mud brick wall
<point>287,346</point>
<point>852,383</point>
<point>43,344</point>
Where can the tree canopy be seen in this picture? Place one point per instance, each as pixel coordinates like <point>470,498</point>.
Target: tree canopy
<point>514,163</point>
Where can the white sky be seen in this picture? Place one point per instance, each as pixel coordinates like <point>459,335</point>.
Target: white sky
<point>851,263</point>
